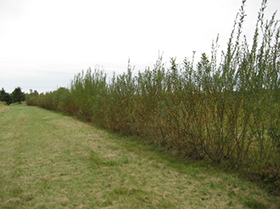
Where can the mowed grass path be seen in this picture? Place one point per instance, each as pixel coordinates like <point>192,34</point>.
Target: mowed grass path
<point>49,160</point>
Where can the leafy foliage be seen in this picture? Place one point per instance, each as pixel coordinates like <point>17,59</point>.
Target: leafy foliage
<point>18,95</point>
<point>228,113</point>
<point>5,97</point>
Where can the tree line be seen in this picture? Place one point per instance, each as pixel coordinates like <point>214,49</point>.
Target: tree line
<point>17,96</point>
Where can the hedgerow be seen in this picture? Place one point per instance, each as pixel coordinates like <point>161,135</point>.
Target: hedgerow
<point>228,112</point>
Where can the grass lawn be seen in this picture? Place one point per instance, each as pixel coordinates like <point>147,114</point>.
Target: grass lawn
<point>49,160</point>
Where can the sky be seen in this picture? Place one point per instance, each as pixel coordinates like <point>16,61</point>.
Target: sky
<point>44,43</point>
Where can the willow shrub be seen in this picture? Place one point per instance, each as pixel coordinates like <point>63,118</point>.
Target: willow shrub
<point>227,112</point>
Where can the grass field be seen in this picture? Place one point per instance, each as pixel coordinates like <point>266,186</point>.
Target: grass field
<point>49,160</point>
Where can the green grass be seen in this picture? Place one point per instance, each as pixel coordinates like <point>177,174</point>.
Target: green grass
<point>49,160</point>
<point>3,108</point>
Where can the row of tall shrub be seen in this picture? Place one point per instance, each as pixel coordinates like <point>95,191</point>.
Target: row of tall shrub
<point>228,112</point>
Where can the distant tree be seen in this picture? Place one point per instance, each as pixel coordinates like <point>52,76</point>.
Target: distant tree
<point>18,95</point>
<point>33,93</point>
<point>7,99</point>
<point>2,95</point>
<point>36,93</point>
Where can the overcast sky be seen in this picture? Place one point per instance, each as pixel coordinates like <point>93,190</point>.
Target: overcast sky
<point>44,43</point>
